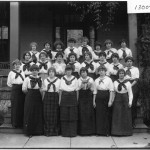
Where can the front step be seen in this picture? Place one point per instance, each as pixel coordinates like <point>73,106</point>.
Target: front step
<point>141,128</point>
<point>7,128</point>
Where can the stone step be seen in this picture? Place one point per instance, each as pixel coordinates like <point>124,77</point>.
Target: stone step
<point>141,128</point>
<point>7,128</point>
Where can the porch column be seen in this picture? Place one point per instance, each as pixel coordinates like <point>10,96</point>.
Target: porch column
<point>92,37</point>
<point>132,23</point>
<point>57,33</point>
<point>14,30</point>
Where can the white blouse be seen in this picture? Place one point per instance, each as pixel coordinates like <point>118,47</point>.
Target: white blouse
<point>42,69</point>
<point>85,82</point>
<point>127,50</point>
<point>12,80</point>
<point>73,86</point>
<point>123,90</point>
<point>26,72</point>
<point>134,73</point>
<point>67,52</point>
<point>110,52</point>
<point>95,56</point>
<point>112,69</point>
<point>27,85</point>
<point>36,54</point>
<point>89,69</point>
<point>104,84</point>
<point>77,66</point>
<point>60,67</point>
<point>54,83</point>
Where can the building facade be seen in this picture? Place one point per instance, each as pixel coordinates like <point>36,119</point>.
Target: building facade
<point>24,22</point>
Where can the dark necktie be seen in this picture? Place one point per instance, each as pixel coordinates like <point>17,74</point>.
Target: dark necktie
<point>26,66</point>
<point>128,72</point>
<point>96,53</point>
<point>121,84</point>
<point>124,53</point>
<point>68,82</point>
<point>89,65</point>
<point>43,65</point>
<point>85,83</point>
<point>101,81</point>
<point>110,51</point>
<point>51,84</point>
<point>34,57</point>
<point>34,81</point>
<point>72,65</point>
<point>102,64</point>
<point>116,67</point>
<point>71,50</point>
<point>48,52</point>
<point>18,74</point>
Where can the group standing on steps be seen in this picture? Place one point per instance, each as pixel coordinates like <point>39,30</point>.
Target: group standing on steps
<point>74,91</point>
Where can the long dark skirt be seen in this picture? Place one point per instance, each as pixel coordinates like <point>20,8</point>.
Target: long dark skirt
<point>68,114</point>
<point>17,106</point>
<point>121,116</point>
<point>135,90</point>
<point>51,113</point>
<point>33,113</point>
<point>86,111</point>
<point>103,114</point>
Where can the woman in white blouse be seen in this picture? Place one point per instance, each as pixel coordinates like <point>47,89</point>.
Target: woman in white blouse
<point>86,120</point>
<point>109,50</point>
<point>43,65</point>
<point>34,53</point>
<point>133,74</point>
<point>15,80</point>
<point>114,66</point>
<point>124,51</point>
<point>33,109</point>
<point>59,65</point>
<point>84,48</point>
<point>103,96</point>
<point>68,103</point>
<point>90,65</point>
<point>26,63</point>
<point>122,119</point>
<point>51,87</point>
<point>72,57</point>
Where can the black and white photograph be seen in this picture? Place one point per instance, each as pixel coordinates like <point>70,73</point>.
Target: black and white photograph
<point>75,74</point>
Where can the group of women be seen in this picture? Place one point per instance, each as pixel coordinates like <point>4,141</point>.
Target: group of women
<point>74,91</point>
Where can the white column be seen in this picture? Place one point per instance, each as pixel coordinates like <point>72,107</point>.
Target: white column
<point>57,33</point>
<point>92,37</point>
<point>14,30</point>
<point>132,23</point>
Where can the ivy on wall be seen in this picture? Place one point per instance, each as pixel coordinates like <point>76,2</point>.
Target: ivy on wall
<point>96,13</point>
<point>143,48</point>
